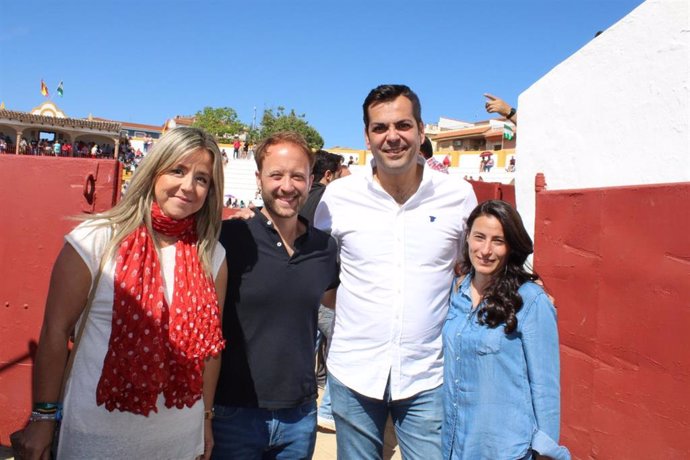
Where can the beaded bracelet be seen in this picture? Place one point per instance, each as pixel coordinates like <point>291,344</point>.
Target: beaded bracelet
<point>39,417</point>
<point>46,412</point>
<point>47,408</point>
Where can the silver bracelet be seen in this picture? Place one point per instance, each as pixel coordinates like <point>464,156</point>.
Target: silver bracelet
<point>40,417</point>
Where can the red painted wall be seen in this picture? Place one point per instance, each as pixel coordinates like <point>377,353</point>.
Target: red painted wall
<point>493,191</point>
<point>617,260</point>
<point>228,212</point>
<point>38,196</point>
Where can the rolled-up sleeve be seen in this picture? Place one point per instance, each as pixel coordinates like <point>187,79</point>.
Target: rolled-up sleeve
<point>322,216</point>
<point>540,342</point>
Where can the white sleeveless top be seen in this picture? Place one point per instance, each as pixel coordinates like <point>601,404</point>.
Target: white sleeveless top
<point>91,431</point>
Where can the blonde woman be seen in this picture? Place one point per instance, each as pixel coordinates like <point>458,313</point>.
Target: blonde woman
<point>146,365</point>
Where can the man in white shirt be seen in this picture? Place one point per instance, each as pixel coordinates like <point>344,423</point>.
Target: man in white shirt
<point>399,229</point>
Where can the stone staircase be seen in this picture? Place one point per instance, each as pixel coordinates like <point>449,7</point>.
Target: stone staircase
<point>240,180</point>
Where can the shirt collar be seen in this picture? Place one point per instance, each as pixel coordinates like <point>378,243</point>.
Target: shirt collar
<point>423,186</point>
<point>465,286</point>
<point>266,223</point>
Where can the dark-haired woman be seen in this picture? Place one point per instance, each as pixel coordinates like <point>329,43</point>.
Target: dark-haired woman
<point>501,376</point>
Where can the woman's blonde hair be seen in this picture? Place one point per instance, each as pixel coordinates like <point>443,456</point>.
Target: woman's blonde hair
<point>135,207</point>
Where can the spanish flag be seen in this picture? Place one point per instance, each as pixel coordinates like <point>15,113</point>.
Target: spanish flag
<point>44,89</point>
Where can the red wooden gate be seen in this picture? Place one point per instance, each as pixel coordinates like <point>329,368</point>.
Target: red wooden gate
<point>39,194</point>
<point>617,260</point>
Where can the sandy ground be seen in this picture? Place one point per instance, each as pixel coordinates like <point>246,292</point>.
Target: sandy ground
<point>326,448</point>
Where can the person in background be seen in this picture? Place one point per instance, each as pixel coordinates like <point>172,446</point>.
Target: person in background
<point>511,164</point>
<point>236,148</point>
<point>327,168</point>
<point>446,161</point>
<point>427,151</point>
<point>147,362</point>
<point>501,388</point>
<point>245,149</point>
<point>497,105</point>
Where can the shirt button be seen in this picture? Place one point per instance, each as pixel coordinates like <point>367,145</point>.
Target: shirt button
<point>279,244</point>
<point>268,222</point>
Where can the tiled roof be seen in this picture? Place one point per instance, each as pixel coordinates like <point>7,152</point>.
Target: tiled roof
<point>184,121</point>
<point>80,123</point>
<point>494,133</point>
<point>460,133</point>
<point>127,124</point>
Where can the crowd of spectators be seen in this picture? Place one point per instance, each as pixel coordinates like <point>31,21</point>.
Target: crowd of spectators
<point>56,148</point>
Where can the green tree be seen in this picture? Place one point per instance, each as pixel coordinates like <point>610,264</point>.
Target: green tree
<point>222,122</point>
<point>280,121</point>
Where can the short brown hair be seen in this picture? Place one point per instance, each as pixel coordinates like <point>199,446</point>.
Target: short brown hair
<point>283,137</point>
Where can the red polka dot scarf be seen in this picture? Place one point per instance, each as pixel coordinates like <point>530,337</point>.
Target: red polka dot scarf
<point>155,347</point>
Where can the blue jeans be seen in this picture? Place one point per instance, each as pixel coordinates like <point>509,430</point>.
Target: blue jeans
<point>325,409</point>
<point>361,421</point>
<point>251,433</point>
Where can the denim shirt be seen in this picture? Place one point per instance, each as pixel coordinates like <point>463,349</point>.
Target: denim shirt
<point>501,391</point>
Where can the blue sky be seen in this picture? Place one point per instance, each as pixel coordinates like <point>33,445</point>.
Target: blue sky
<point>145,61</point>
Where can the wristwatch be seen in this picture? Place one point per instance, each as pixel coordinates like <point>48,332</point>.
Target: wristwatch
<point>208,414</point>
<point>512,113</point>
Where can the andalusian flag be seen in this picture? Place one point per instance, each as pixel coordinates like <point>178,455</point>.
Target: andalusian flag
<point>60,89</point>
<point>44,89</point>
<point>508,132</point>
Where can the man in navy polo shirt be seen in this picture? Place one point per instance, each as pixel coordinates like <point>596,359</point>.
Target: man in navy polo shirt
<point>279,267</point>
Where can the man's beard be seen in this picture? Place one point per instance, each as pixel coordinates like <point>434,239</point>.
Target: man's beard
<point>271,205</point>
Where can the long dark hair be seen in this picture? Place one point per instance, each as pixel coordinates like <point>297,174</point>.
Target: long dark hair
<point>502,301</point>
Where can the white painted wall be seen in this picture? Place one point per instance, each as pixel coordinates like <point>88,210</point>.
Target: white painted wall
<point>614,113</point>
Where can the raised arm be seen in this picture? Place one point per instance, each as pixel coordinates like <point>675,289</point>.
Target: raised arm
<point>497,105</point>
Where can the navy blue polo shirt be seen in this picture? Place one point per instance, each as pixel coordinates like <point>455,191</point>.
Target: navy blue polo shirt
<point>270,313</point>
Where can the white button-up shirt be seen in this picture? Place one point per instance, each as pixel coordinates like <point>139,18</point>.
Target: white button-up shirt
<point>396,270</point>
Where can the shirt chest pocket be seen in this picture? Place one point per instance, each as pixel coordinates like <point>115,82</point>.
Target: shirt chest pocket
<point>489,340</point>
